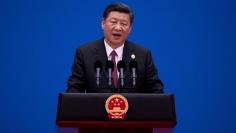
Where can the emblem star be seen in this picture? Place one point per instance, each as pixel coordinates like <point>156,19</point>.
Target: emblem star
<point>116,99</point>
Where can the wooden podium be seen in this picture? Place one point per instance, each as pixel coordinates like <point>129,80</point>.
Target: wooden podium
<point>87,112</point>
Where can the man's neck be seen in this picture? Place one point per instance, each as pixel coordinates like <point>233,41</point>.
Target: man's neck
<point>113,46</point>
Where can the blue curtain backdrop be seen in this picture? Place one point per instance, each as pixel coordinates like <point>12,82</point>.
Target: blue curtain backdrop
<point>192,42</point>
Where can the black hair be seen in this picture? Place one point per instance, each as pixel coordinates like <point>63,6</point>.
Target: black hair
<point>119,7</point>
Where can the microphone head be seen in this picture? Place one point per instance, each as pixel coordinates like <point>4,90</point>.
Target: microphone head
<point>109,64</point>
<point>98,64</point>
<point>133,64</point>
<point>121,64</point>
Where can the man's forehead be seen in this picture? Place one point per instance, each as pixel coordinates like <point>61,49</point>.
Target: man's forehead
<point>119,15</point>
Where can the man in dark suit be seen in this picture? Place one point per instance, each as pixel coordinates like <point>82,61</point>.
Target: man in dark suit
<point>116,25</point>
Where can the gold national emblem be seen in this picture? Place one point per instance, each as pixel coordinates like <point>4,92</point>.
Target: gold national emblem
<point>116,106</point>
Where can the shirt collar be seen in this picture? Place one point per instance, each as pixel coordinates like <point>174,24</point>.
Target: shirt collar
<point>118,50</point>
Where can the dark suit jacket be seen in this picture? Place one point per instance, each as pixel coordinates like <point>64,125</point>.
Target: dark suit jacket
<point>83,73</point>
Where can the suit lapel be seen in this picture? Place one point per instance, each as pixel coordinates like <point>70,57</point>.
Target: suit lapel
<point>100,52</point>
<point>127,52</point>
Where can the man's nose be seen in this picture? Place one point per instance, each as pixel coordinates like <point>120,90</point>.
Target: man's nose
<point>118,27</point>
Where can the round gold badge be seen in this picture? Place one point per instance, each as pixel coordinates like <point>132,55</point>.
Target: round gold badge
<point>133,56</point>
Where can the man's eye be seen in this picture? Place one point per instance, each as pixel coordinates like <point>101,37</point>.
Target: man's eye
<point>123,24</point>
<point>113,22</point>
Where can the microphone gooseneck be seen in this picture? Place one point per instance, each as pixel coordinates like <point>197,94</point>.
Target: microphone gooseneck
<point>133,68</point>
<point>98,69</point>
<point>121,69</point>
<point>109,68</point>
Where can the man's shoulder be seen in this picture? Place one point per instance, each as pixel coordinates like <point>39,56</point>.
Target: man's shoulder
<point>136,46</point>
<point>91,44</point>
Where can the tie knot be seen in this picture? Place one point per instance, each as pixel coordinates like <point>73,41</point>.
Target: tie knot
<point>113,54</point>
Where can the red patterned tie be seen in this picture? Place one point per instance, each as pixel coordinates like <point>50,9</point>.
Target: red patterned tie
<point>114,74</point>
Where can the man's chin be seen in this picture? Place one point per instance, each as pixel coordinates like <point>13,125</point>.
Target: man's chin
<point>117,40</point>
<point>118,43</point>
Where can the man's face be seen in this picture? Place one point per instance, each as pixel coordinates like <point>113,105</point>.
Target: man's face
<point>116,28</point>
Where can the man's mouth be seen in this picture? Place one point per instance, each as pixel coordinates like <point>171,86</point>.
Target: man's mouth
<point>116,35</point>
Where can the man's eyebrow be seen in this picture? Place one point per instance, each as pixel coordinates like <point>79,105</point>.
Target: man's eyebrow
<point>125,21</point>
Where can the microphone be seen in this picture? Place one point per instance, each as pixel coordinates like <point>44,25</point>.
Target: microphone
<point>121,69</point>
<point>133,65</point>
<point>98,69</point>
<point>109,68</point>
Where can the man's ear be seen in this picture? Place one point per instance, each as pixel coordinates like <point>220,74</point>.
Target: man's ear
<point>130,29</point>
<point>102,23</point>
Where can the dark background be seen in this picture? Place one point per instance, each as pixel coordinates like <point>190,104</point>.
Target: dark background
<point>192,42</point>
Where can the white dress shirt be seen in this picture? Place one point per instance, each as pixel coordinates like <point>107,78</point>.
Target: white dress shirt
<point>119,51</point>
